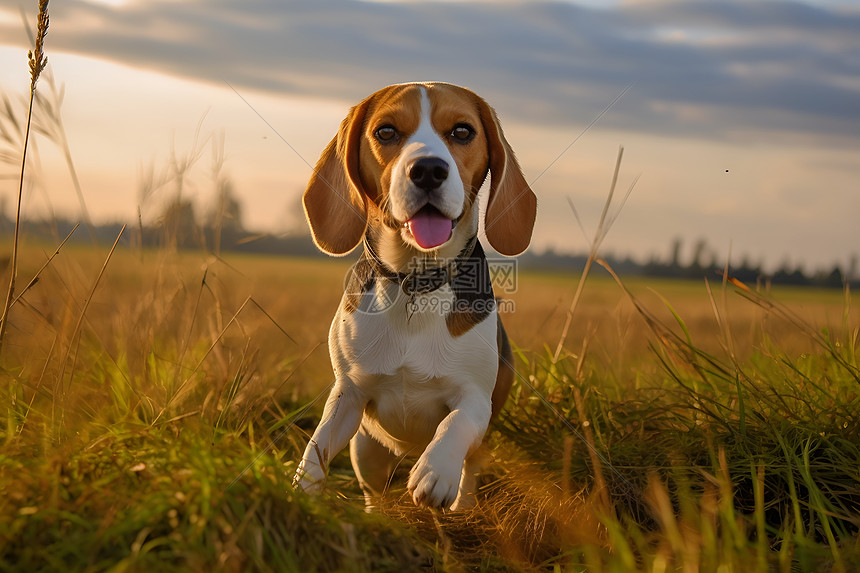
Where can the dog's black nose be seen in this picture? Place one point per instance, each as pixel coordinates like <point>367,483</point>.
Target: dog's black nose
<point>428,173</point>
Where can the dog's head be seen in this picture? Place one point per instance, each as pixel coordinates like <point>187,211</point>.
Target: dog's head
<point>410,158</point>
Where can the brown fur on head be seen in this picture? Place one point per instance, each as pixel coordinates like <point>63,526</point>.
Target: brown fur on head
<point>352,182</point>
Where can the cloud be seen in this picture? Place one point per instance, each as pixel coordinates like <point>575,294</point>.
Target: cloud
<point>709,69</point>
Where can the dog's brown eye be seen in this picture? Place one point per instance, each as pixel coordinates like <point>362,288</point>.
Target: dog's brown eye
<point>462,133</point>
<point>386,134</point>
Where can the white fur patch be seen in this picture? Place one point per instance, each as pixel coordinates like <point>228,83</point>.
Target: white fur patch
<point>408,361</point>
<point>406,198</point>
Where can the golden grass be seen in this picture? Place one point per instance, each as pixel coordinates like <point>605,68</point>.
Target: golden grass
<point>229,350</point>
<point>148,294</point>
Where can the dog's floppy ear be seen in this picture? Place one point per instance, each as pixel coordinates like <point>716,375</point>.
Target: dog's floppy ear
<point>512,206</point>
<point>335,204</point>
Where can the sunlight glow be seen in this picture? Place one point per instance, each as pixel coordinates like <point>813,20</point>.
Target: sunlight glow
<point>111,3</point>
<point>9,17</point>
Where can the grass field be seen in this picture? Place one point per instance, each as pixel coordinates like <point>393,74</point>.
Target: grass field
<point>154,413</point>
<point>155,405</point>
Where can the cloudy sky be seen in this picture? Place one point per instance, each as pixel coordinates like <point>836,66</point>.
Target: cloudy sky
<point>741,118</point>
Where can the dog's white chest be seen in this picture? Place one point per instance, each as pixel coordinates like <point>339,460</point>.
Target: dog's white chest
<point>402,356</point>
<point>392,334</point>
<point>404,411</point>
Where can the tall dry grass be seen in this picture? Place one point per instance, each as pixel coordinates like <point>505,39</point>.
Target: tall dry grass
<point>188,402</point>
<point>38,60</point>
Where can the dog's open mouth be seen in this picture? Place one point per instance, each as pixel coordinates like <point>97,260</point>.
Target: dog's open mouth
<point>429,227</point>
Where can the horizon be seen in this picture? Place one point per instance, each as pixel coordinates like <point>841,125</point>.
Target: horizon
<point>682,259</point>
<point>741,119</point>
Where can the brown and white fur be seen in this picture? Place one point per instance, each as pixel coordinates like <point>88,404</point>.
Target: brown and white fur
<point>410,378</point>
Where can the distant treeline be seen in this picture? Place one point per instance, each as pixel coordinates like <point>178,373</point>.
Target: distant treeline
<point>746,273</point>
<point>182,233</point>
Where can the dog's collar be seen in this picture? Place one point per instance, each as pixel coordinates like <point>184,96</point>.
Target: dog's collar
<point>421,280</point>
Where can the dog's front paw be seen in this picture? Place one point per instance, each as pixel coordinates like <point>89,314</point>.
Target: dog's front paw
<point>434,484</point>
<point>309,477</point>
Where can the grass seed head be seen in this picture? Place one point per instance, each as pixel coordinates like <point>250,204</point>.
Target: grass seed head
<point>37,57</point>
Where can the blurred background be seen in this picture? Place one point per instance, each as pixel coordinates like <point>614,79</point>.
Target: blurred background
<point>742,119</point>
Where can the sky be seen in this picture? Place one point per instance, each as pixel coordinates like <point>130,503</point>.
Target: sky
<point>740,119</point>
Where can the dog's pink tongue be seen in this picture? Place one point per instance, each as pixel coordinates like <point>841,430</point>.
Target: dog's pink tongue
<point>430,228</point>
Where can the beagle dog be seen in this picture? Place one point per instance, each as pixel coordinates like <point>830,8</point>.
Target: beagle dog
<point>421,360</point>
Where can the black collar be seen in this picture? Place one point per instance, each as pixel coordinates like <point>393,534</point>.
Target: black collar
<point>421,280</point>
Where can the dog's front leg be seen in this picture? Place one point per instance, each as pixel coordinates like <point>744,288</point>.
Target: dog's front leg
<point>340,421</point>
<point>435,478</point>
